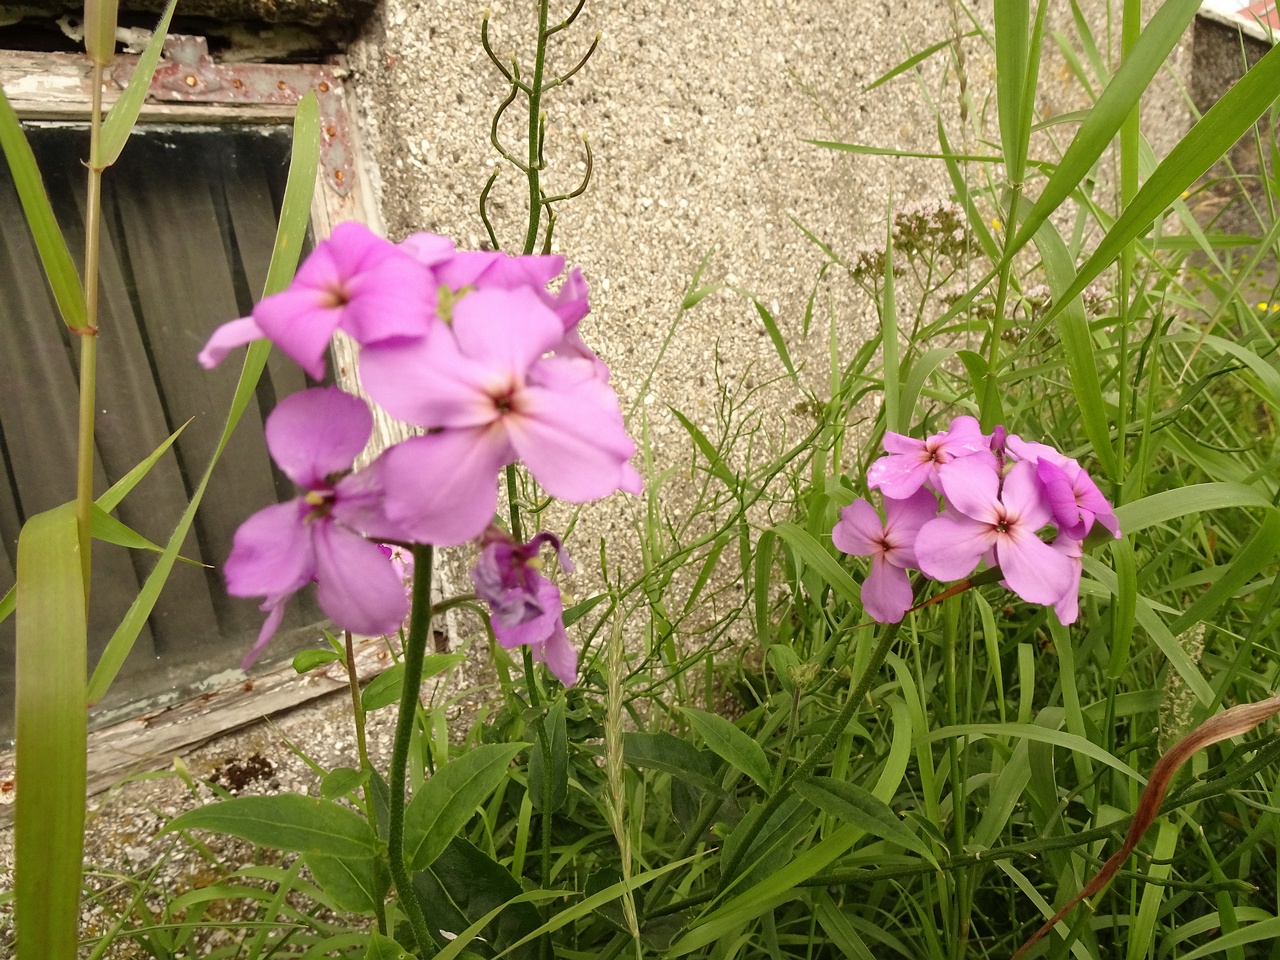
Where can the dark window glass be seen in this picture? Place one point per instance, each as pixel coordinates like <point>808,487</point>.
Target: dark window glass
<point>188,224</point>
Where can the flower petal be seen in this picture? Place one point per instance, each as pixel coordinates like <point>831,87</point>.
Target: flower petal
<point>317,432</point>
<point>949,547</point>
<point>274,609</point>
<point>859,530</point>
<point>903,520</point>
<point>571,436</point>
<point>356,583</point>
<point>228,337</point>
<point>898,476</point>
<point>443,488</point>
<point>271,553</point>
<point>428,381</point>
<point>1032,569</point>
<point>301,322</point>
<point>1023,498</point>
<point>505,330</point>
<point>886,593</point>
<point>971,486</point>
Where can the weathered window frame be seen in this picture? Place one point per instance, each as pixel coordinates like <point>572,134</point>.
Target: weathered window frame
<point>190,87</point>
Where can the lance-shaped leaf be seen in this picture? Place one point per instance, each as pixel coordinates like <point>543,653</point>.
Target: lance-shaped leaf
<point>50,244</point>
<point>121,117</point>
<point>100,30</point>
<point>1236,721</point>
<point>51,737</point>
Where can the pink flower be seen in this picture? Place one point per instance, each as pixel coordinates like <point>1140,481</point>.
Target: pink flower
<point>526,606</point>
<point>314,436</point>
<point>984,516</point>
<point>1067,607</point>
<point>488,396</point>
<point>886,593</point>
<point>354,281</point>
<point>1072,495</point>
<point>913,463</point>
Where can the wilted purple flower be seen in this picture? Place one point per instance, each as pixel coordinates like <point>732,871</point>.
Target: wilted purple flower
<point>997,519</point>
<point>488,395</point>
<point>886,593</point>
<point>526,606</point>
<point>354,281</point>
<point>314,436</point>
<point>913,463</point>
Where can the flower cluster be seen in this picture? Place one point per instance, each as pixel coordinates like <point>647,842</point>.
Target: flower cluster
<point>473,348</point>
<point>998,492</point>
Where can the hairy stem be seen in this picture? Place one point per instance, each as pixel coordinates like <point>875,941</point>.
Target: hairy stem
<point>415,645</point>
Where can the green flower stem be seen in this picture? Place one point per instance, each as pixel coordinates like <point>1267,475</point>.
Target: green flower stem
<point>857,693</point>
<point>544,744</point>
<point>89,336</point>
<point>362,750</point>
<point>535,132</point>
<point>415,645</point>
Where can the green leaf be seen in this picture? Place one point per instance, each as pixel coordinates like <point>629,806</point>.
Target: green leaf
<point>448,799</point>
<point>1251,559</point>
<point>463,885</point>
<point>104,527</point>
<point>357,884</point>
<point>779,344</point>
<point>124,114</point>
<point>915,59</point>
<point>341,781</point>
<point>852,804</point>
<point>670,754</point>
<point>809,550</point>
<point>295,217</point>
<point>873,151</point>
<point>1196,498</point>
<point>307,660</point>
<point>1226,122</point>
<point>1012,34</point>
<point>51,736</point>
<point>889,336</point>
<point>384,948</point>
<point>114,494</point>
<point>731,744</point>
<point>558,735</point>
<point>1167,25</point>
<point>100,30</point>
<point>384,689</point>
<point>285,822</point>
<point>714,460</point>
<point>59,268</point>
<point>581,609</point>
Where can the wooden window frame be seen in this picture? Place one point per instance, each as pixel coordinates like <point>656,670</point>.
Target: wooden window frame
<point>190,87</point>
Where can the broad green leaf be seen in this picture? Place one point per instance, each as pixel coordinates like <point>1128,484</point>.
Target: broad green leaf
<point>124,114</point>
<point>1034,733</point>
<point>104,527</point>
<point>1225,122</point>
<point>1264,932</point>
<point>809,550</point>
<point>384,948</point>
<point>383,690</point>
<point>1167,25</point>
<point>779,344</point>
<point>285,821</point>
<point>340,781</point>
<point>731,744</point>
<point>670,754</point>
<point>1161,507</point>
<point>449,798</point>
<point>850,803</point>
<point>51,727</point>
<point>558,742</point>
<point>295,217</point>
<point>307,660</point>
<point>920,373</point>
<point>581,609</point>
<point>59,268</point>
<point>1012,33</point>
<point>357,884</point>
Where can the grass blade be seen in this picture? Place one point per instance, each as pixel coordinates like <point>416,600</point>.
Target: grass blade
<point>59,268</point>
<point>51,736</point>
<point>124,113</point>
<point>295,217</point>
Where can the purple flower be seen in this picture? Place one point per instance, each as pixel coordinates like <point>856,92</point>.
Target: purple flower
<point>886,593</point>
<point>354,281</point>
<point>526,606</point>
<point>1072,495</point>
<point>913,463</point>
<point>314,436</point>
<point>986,516</point>
<point>488,396</point>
